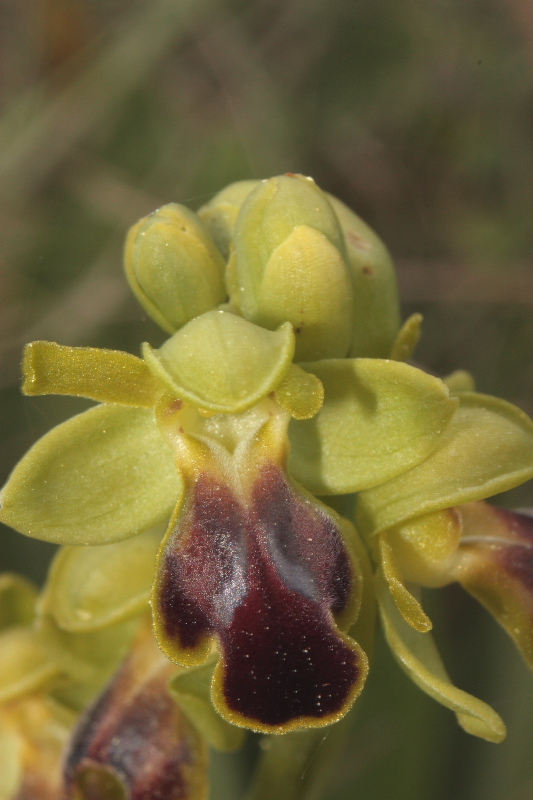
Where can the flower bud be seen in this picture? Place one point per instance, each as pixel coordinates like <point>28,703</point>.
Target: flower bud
<point>376,310</point>
<point>290,265</point>
<point>220,215</point>
<point>174,267</point>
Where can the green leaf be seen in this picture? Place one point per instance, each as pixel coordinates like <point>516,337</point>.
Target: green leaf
<point>379,419</point>
<point>222,363</point>
<point>101,477</point>
<point>94,587</point>
<point>487,449</point>
<point>418,656</point>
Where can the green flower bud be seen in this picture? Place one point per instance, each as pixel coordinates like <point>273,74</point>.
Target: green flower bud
<point>174,267</point>
<point>376,310</point>
<point>220,214</point>
<point>290,265</point>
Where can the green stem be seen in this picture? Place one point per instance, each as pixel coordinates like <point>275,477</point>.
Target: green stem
<point>296,766</point>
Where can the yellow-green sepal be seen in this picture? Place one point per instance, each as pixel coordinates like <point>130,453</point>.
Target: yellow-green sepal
<point>267,218</point>
<point>192,691</point>
<point>87,658</point>
<point>90,588</point>
<point>10,762</point>
<point>107,376</point>
<point>418,656</point>
<point>306,282</point>
<point>379,418</point>
<point>220,362</point>
<point>25,663</point>
<point>100,477</point>
<point>487,448</point>
<point>220,214</point>
<point>17,600</point>
<point>376,309</point>
<point>173,266</point>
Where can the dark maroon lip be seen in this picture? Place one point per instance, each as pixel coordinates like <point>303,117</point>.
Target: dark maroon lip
<point>266,579</point>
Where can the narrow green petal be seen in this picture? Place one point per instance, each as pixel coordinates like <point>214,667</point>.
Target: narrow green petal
<point>222,363</point>
<point>107,376</point>
<point>418,656</point>
<point>89,588</point>
<point>407,604</point>
<point>192,691</point>
<point>100,477</point>
<point>379,419</point>
<point>487,449</point>
<point>407,338</point>
<point>425,547</point>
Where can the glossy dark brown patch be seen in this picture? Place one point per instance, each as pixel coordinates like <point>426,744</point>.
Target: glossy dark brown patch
<point>266,579</point>
<point>204,573</point>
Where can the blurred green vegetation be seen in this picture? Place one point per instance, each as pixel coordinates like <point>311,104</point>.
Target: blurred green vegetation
<point>419,115</point>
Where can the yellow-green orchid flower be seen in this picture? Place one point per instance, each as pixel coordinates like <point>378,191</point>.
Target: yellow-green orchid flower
<point>269,392</point>
<point>428,527</point>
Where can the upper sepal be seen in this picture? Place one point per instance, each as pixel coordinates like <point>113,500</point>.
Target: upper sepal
<point>222,363</point>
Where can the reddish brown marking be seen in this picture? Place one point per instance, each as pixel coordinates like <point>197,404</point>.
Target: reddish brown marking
<point>135,735</point>
<point>266,578</point>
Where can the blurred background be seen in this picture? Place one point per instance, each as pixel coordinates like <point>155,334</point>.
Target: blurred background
<point>418,114</point>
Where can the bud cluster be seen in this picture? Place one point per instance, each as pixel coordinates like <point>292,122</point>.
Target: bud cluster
<point>271,251</point>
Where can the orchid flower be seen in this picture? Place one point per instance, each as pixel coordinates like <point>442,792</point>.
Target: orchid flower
<point>206,476</point>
